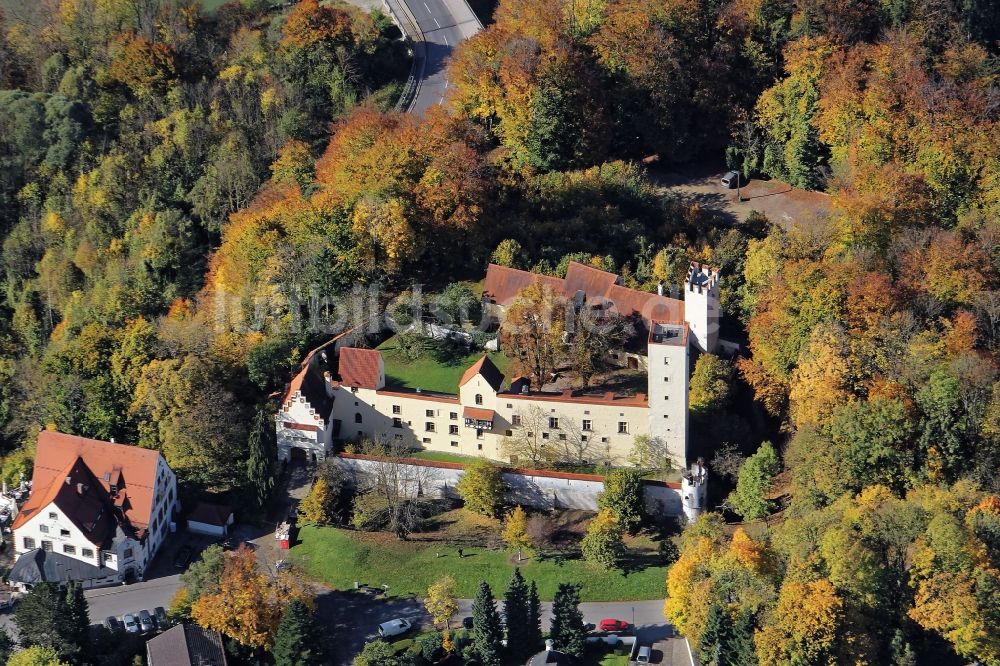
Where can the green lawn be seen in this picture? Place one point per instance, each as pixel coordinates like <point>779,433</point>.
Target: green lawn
<point>438,369</point>
<point>340,557</point>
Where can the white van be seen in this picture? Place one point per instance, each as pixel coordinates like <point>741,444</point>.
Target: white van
<point>395,627</point>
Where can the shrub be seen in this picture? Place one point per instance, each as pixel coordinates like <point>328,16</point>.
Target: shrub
<point>625,497</point>
<point>481,488</point>
<point>753,482</point>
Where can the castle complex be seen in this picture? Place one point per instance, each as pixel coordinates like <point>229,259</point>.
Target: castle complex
<point>341,393</point>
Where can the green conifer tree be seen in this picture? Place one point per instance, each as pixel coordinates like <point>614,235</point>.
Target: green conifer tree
<point>567,621</point>
<point>297,641</point>
<point>515,603</point>
<point>487,632</point>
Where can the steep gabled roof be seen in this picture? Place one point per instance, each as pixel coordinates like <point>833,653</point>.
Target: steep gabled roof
<point>57,457</point>
<point>360,367</point>
<point>485,367</point>
<point>591,281</point>
<point>503,283</point>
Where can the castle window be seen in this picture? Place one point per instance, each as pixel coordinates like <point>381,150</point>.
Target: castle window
<point>515,420</point>
<point>427,440</point>
<point>480,434</point>
<point>623,427</point>
<point>479,398</point>
<point>604,440</point>
<point>453,416</point>
<point>396,409</point>
<point>29,543</point>
<point>398,437</point>
<point>109,557</point>
<point>454,444</point>
<point>44,529</point>
<point>553,423</point>
<point>53,515</point>
<point>429,426</point>
<point>479,446</point>
<point>562,436</point>
<point>508,433</point>
<point>545,435</point>
<point>666,361</point>
<point>397,422</point>
<point>588,424</point>
<point>357,417</point>
<point>87,552</point>
<point>453,430</point>
<point>429,413</point>
<point>68,549</point>
<point>354,389</point>
<point>64,533</point>
<point>584,438</point>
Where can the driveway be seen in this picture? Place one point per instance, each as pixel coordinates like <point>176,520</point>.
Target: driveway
<point>780,202</point>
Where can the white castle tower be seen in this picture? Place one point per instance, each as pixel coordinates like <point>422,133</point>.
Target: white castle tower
<point>694,490</point>
<point>701,306</point>
<point>668,369</point>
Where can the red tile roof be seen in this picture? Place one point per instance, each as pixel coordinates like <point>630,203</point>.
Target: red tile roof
<point>59,456</point>
<point>589,280</point>
<point>503,284</point>
<point>360,367</point>
<point>478,414</point>
<point>485,367</point>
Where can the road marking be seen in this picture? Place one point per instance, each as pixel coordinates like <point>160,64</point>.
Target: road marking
<point>445,39</point>
<point>436,23</point>
<point>427,8</point>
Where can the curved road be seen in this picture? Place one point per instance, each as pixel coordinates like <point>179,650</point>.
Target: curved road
<point>444,23</point>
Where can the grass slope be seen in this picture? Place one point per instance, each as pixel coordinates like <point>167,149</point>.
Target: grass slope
<point>340,557</point>
<point>438,369</point>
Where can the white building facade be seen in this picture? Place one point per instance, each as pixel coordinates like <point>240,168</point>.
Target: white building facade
<point>356,404</point>
<point>98,512</point>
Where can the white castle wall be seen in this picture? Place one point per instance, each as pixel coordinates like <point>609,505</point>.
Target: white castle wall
<point>533,488</point>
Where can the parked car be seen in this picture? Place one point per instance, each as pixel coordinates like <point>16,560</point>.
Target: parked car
<point>160,615</point>
<point>643,656</point>
<point>396,627</point>
<point>131,626</point>
<point>146,621</point>
<point>112,624</point>
<point>183,557</point>
<point>731,179</point>
<point>610,624</point>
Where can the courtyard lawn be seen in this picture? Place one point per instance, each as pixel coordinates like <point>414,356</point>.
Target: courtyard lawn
<point>438,369</point>
<point>443,456</point>
<point>341,557</point>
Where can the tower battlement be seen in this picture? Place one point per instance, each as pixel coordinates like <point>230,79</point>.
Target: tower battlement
<point>701,305</point>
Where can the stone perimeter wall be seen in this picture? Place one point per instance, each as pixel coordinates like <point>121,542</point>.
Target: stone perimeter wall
<point>539,489</point>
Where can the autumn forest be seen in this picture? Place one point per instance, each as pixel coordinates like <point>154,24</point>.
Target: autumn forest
<point>178,186</point>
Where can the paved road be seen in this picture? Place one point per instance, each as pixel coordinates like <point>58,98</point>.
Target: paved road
<point>444,24</point>
<point>355,618</point>
<point>117,601</point>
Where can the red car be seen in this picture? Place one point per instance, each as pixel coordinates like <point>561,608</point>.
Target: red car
<point>609,624</point>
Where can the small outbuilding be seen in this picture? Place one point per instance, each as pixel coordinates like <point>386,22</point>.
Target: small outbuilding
<point>211,519</point>
<point>186,645</point>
